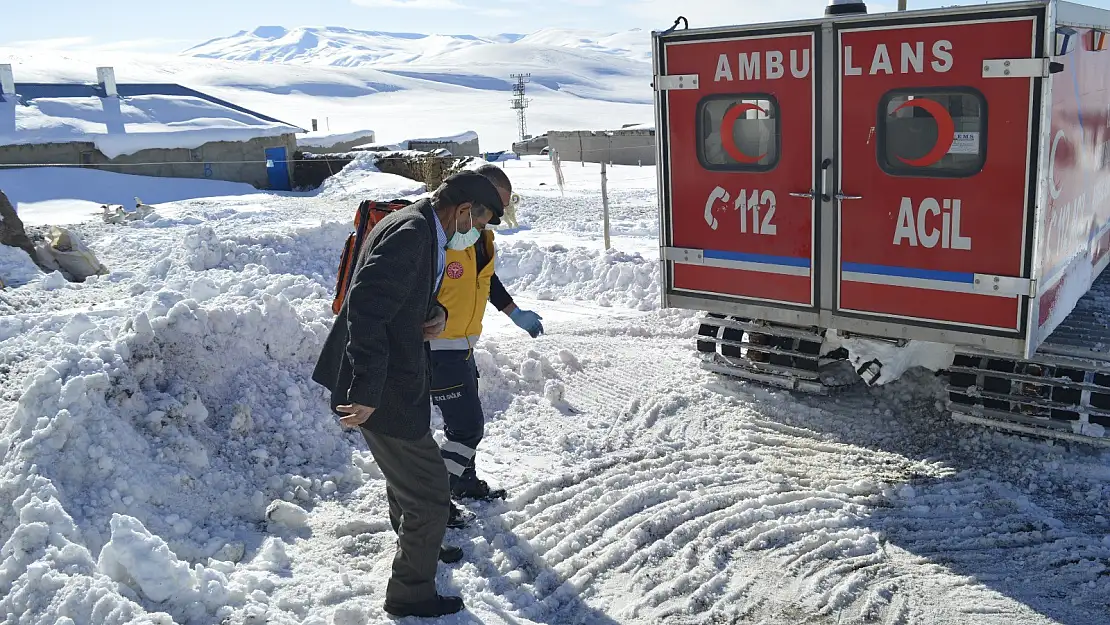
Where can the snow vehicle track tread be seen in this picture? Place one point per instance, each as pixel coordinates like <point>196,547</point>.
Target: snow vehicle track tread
<point>1085,333</point>
<point>1063,392</point>
<point>789,356</point>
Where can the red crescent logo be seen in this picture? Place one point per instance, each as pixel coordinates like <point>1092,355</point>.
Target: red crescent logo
<point>946,131</point>
<point>729,142</point>
<point>455,270</point>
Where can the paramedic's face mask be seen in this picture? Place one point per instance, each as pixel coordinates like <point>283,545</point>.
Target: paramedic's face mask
<point>463,239</point>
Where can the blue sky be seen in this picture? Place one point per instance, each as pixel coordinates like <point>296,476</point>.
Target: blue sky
<point>172,25</point>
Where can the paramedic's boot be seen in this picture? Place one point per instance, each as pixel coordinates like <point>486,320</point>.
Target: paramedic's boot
<point>449,554</point>
<point>459,519</point>
<point>432,608</point>
<point>478,490</point>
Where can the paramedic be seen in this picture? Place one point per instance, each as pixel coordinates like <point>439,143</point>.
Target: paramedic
<point>375,362</point>
<point>469,282</point>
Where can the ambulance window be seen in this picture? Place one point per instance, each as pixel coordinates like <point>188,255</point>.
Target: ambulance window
<point>909,127</point>
<point>753,121</point>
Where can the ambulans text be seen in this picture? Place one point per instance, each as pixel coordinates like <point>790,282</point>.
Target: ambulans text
<point>905,58</point>
<point>910,57</point>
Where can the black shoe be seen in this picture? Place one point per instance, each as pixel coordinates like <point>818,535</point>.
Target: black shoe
<point>432,608</point>
<point>459,518</point>
<point>478,490</point>
<point>450,555</point>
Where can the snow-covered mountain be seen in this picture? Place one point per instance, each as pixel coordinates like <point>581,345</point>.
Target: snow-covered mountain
<point>345,47</point>
<point>337,46</point>
<point>400,85</point>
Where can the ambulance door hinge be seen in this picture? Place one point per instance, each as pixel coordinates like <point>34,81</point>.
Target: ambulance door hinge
<point>1021,68</point>
<point>677,82</point>
<point>1004,286</point>
<point>684,256</point>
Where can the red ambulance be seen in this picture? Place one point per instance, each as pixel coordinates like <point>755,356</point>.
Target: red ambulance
<point>854,194</point>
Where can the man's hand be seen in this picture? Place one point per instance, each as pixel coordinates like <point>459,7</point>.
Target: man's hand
<point>435,326</point>
<point>356,415</point>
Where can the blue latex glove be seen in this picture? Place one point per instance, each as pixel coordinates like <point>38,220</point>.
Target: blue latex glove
<point>528,321</point>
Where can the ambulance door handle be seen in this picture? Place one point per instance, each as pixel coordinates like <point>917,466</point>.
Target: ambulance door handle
<point>841,196</point>
<point>825,173</point>
<point>809,195</point>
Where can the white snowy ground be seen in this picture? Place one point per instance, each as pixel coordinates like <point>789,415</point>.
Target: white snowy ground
<point>152,416</point>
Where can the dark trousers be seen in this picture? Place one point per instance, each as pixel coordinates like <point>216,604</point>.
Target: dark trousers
<point>455,391</point>
<point>419,503</point>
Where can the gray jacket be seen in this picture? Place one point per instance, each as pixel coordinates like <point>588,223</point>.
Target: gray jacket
<point>375,354</point>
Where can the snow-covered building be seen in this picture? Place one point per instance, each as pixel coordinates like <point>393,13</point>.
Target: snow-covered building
<point>634,144</point>
<point>465,144</point>
<point>324,142</point>
<point>147,129</point>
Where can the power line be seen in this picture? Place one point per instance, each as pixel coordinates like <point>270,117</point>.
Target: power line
<point>519,103</point>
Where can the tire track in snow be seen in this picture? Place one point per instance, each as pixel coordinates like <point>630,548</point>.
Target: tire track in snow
<point>712,510</point>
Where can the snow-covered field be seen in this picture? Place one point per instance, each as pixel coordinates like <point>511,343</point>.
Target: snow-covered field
<point>353,80</point>
<point>164,457</point>
<point>151,417</point>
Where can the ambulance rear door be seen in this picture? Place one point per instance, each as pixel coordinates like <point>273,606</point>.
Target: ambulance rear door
<point>736,113</point>
<point>935,158</point>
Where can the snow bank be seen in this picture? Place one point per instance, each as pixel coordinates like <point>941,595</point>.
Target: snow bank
<point>311,251</point>
<point>16,267</point>
<point>174,431</point>
<point>610,278</point>
<point>32,190</point>
<point>326,139</point>
<point>121,126</point>
<point>361,179</point>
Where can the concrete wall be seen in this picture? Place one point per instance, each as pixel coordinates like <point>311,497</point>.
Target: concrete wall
<point>619,147</point>
<point>311,170</point>
<point>337,148</point>
<point>530,147</point>
<point>465,148</point>
<point>231,161</point>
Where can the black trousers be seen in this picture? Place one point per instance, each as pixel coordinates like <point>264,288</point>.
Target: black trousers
<point>419,498</point>
<point>455,392</point>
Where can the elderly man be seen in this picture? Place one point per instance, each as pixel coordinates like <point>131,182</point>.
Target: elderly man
<point>469,282</point>
<point>375,363</point>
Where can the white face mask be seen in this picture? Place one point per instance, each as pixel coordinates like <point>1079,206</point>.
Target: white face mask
<point>464,239</point>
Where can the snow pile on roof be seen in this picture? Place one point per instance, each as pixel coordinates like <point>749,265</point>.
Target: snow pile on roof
<point>406,145</point>
<point>326,139</point>
<point>463,137</point>
<point>121,126</point>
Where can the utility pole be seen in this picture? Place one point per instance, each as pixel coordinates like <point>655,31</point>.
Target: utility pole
<point>519,103</point>
<point>901,5</point>
<point>605,204</point>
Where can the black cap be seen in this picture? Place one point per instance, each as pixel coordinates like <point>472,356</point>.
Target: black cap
<point>470,186</point>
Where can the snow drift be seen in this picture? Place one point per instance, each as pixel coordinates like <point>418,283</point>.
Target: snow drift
<point>175,429</point>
